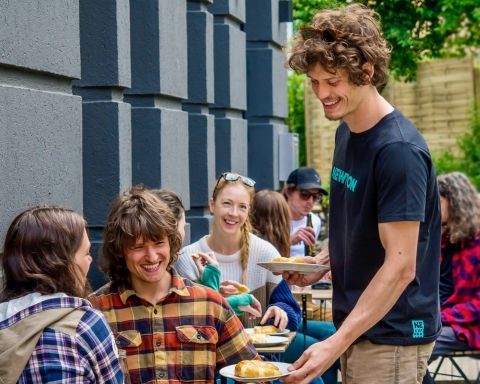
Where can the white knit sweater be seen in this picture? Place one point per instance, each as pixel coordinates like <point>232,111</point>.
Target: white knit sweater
<point>230,266</point>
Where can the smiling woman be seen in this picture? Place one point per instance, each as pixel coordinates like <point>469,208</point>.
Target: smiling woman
<point>238,251</point>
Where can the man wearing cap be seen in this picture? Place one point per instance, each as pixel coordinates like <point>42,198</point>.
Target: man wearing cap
<point>303,189</point>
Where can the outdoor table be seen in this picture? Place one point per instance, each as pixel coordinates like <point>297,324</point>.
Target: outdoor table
<point>318,294</point>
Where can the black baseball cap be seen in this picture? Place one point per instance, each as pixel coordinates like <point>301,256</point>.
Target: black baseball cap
<point>306,178</point>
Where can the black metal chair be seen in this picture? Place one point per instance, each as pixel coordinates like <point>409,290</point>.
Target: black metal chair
<point>455,355</point>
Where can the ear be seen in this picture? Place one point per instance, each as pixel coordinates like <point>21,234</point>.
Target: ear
<point>212,204</point>
<point>369,71</point>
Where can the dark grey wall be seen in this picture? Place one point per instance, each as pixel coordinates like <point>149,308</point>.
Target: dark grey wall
<point>96,96</point>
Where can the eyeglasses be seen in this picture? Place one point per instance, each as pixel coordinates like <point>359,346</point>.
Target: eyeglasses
<point>228,176</point>
<point>305,195</point>
<point>328,35</point>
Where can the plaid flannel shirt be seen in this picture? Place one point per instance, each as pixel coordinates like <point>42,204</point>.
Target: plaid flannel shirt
<point>461,311</point>
<point>89,357</point>
<point>186,337</point>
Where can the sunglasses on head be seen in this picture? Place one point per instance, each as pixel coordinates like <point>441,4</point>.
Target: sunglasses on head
<point>305,195</point>
<point>228,176</point>
<point>328,35</point>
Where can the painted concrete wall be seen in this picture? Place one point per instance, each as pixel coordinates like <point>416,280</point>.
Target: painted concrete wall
<point>96,96</point>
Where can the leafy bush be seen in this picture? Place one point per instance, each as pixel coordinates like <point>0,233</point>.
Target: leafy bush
<point>468,160</point>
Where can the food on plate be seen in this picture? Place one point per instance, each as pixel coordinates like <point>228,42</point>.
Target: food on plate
<point>288,260</point>
<point>256,368</point>
<point>195,255</point>
<point>241,289</point>
<point>265,329</point>
<point>258,337</point>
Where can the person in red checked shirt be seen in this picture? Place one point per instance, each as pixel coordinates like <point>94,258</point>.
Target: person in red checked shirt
<point>459,267</point>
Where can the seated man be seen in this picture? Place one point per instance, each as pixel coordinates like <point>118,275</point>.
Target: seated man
<point>459,267</point>
<point>172,330</point>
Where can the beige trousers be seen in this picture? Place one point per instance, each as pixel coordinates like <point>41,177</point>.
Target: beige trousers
<point>367,363</point>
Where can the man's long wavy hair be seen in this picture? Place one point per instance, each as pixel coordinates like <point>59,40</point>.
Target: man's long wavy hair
<point>39,254</point>
<point>463,206</point>
<point>134,214</point>
<point>362,41</point>
<point>271,219</point>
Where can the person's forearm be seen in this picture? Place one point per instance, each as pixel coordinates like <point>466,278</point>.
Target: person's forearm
<point>374,303</point>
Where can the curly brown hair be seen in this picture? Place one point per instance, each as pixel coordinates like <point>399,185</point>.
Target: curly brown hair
<point>39,253</point>
<point>271,219</point>
<point>360,42</point>
<point>136,213</point>
<point>463,206</point>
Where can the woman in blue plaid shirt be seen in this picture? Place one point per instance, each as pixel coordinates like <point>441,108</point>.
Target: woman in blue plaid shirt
<point>48,333</point>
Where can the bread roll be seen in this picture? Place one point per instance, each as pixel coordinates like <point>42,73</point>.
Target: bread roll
<point>241,289</point>
<point>280,260</point>
<point>266,329</point>
<point>258,338</point>
<point>297,260</point>
<point>256,368</point>
<point>287,260</point>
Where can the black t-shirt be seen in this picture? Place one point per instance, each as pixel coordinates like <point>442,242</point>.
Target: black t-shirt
<point>385,174</point>
<point>446,277</point>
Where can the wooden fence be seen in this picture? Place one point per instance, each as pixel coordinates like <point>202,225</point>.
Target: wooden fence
<point>437,103</point>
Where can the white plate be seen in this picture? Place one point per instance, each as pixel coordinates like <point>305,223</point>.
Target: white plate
<point>271,341</point>
<point>229,372</point>
<point>280,267</point>
<point>284,332</point>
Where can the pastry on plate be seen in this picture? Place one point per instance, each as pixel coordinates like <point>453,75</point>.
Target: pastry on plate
<point>287,260</point>
<point>256,368</point>
<point>265,329</point>
<point>258,337</point>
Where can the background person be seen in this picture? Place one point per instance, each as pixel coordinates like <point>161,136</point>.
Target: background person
<point>459,267</point>
<point>171,329</point>
<point>48,333</point>
<point>302,190</point>
<point>384,219</point>
<point>238,251</point>
<point>271,220</point>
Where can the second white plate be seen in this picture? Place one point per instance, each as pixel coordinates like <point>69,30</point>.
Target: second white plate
<point>271,341</point>
<point>230,373</point>
<point>284,332</point>
<point>293,267</point>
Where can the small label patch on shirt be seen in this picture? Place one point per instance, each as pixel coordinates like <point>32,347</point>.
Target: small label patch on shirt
<point>418,328</point>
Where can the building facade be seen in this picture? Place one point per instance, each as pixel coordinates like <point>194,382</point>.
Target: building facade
<point>96,96</point>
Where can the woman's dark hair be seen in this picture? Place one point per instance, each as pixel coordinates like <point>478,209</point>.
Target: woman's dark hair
<point>39,253</point>
<point>136,213</point>
<point>172,200</point>
<point>271,219</point>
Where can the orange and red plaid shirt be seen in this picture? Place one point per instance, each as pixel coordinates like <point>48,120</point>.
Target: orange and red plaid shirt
<point>186,337</point>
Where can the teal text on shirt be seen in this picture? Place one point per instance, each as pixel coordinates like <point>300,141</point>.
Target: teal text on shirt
<point>344,178</point>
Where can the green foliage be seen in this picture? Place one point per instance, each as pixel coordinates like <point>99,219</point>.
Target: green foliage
<point>468,160</point>
<point>296,112</point>
<point>416,29</point>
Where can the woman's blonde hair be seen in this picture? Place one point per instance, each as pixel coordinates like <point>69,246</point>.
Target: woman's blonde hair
<point>271,219</point>
<point>463,206</point>
<point>247,226</point>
